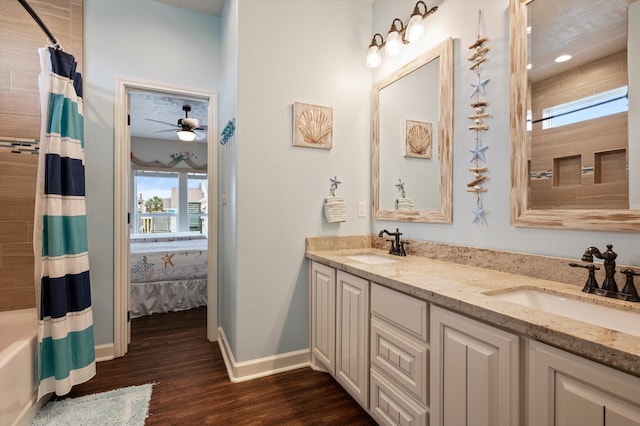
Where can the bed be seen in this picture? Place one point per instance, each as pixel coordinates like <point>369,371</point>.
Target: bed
<point>167,274</point>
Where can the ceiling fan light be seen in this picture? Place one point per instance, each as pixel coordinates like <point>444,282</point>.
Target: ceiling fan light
<point>186,135</point>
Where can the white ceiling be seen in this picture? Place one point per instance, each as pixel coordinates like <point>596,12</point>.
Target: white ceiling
<point>586,29</point>
<point>165,108</point>
<point>210,7</point>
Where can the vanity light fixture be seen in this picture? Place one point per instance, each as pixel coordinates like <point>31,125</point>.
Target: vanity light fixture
<point>186,135</point>
<point>399,34</point>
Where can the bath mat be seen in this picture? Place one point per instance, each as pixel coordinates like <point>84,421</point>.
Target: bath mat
<point>125,406</point>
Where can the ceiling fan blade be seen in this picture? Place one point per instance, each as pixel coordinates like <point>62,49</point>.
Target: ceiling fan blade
<point>165,130</point>
<point>163,122</point>
<point>203,127</point>
<point>200,135</point>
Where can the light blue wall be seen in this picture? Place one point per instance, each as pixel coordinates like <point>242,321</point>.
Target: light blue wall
<point>227,159</point>
<point>290,51</point>
<point>142,40</point>
<point>458,19</point>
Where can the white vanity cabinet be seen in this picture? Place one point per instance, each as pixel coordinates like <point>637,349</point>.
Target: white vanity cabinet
<point>340,328</point>
<point>323,316</point>
<point>474,372</point>
<point>566,390</point>
<point>352,336</point>
<point>399,358</point>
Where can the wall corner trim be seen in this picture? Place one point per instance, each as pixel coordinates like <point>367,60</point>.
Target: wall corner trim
<point>105,352</point>
<point>260,367</point>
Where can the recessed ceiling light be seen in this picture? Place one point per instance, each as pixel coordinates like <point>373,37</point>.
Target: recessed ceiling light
<point>563,58</point>
<point>529,30</point>
<point>528,66</point>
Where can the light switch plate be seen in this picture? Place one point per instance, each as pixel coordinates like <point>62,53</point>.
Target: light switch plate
<point>362,209</point>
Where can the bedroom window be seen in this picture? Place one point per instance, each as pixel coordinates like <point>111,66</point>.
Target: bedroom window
<point>169,202</point>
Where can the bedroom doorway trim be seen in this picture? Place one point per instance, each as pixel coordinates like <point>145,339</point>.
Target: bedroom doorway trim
<point>122,175</point>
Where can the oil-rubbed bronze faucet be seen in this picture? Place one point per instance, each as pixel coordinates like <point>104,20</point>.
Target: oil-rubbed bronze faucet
<point>609,286</point>
<point>397,246</point>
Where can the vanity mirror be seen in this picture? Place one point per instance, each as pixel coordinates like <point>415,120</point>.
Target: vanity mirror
<point>412,137</point>
<point>569,170</point>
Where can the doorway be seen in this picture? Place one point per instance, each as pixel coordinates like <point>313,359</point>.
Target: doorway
<point>188,218</point>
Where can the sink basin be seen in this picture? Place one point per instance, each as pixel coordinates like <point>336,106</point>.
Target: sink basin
<point>372,259</point>
<point>603,316</point>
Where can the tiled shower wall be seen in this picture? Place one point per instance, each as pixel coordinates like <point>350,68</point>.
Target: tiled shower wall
<point>20,38</point>
<point>584,165</point>
<point>17,194</point>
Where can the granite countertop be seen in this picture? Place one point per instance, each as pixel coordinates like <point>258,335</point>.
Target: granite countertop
<point>467,290</point>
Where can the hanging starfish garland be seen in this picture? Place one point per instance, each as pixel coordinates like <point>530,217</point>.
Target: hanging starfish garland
<point>478,152</point>
<point>478,88</point>
<point>478,213</point>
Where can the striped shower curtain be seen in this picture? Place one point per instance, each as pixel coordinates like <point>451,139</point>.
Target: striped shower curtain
<point>66,354</point>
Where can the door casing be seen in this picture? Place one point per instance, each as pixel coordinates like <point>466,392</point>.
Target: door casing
<point>121,205</point>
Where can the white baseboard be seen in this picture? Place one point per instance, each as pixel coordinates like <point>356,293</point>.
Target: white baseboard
<point>260,367</point>
<point>105,352</point>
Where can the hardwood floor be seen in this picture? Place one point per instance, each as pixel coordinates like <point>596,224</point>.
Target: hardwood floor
<point>191,386</point>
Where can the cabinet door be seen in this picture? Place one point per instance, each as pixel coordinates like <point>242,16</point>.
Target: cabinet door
<point>474,372</point>
<point>352,336</point>
<point>323,314</point>
<point>567,390</point>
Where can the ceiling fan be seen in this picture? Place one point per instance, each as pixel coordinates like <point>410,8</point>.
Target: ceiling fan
<point>188,128</point>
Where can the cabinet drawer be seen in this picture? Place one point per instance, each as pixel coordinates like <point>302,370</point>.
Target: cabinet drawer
<point>401,310</point>
<point>390,406</point>
<point>402,358</point>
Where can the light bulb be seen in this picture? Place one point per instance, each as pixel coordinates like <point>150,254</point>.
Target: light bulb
<point>394,43</point>
<point>186,135</point>
<point>374,58</point>
<point>415,29</point>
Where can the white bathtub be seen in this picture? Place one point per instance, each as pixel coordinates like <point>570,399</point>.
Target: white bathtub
<point>18,337</point>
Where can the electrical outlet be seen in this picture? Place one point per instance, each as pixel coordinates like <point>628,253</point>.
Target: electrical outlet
<point>362,209</point>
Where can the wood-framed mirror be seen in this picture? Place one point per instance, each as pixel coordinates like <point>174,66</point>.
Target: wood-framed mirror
<point>598,173</point>
<point>412,140</point>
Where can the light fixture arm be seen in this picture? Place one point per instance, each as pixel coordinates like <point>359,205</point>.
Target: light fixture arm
<point>427,11</point>
<point>402,30</point>
<point>374,42</point>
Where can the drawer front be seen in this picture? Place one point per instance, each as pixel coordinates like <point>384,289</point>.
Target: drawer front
<point>390,406</point>
<point>404,311</point>
<point>402,358</point>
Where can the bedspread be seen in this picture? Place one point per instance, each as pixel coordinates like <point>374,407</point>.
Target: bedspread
<point>168,276</point>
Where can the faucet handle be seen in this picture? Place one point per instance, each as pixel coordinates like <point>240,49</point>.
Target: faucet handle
<point>402,251</point>
<point>591,285</point>
<point>629,292</point>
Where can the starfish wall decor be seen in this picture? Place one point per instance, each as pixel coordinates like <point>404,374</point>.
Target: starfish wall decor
<point>479,104</point>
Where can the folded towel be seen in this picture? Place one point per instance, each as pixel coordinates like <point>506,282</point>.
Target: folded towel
<point>404,204</point>
<point>334,210</point>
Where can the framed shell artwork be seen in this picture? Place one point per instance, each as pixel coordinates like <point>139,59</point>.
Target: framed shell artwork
<point>312,126</point>
<point>417,139</point>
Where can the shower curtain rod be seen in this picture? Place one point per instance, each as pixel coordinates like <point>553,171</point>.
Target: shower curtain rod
<point>41,24</point>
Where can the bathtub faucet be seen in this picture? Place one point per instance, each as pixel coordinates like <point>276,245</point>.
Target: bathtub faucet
<point>397,246</point>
